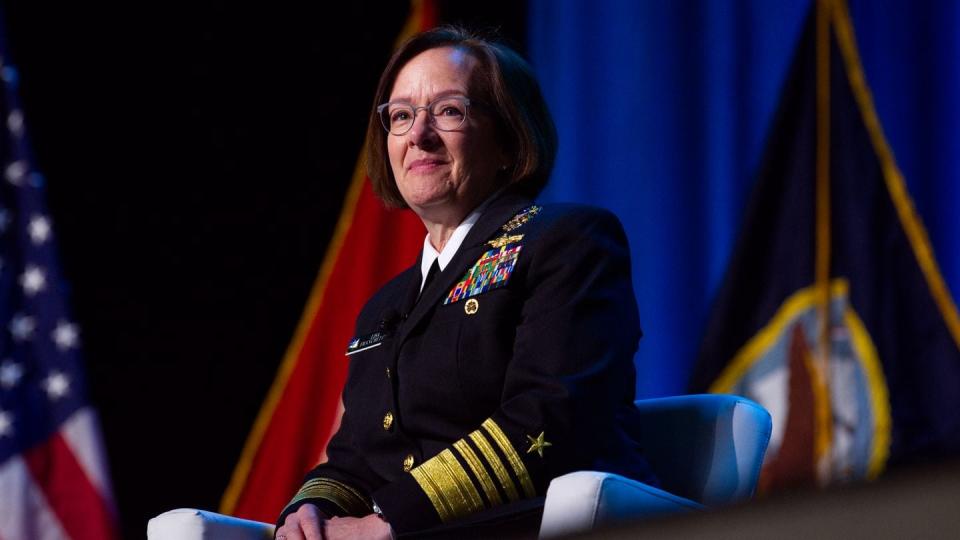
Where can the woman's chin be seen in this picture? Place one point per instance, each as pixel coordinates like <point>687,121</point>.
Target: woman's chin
<point>429,195</point>
<point>441,208</point>
<point>431,204</point>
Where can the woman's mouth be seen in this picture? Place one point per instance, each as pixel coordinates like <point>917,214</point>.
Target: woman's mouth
<point>424,165</point>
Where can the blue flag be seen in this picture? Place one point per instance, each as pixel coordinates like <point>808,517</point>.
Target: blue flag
<point>833,313</point>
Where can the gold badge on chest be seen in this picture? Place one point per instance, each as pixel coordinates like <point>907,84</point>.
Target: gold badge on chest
<point>501,241</point>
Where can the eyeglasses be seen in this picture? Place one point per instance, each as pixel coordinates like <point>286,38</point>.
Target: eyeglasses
<point>446,114</point>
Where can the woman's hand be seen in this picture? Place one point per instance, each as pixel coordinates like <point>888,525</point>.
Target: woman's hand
<point>306,524</point>
<point>348,528</point>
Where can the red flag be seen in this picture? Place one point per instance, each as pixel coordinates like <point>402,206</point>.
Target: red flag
<point>302,410</point>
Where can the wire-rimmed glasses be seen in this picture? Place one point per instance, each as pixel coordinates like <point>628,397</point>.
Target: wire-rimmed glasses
<point>446,114</point>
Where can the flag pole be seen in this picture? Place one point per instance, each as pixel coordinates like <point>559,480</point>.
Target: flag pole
<point>824,428</point>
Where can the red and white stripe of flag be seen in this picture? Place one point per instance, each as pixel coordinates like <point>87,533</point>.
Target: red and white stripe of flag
<point>60,489</point>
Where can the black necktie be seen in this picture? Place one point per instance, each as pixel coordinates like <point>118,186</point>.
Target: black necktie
<point>431,274</point>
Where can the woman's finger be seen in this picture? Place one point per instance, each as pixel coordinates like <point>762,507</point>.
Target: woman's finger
<point>287,532</point>
<point>310,523</point>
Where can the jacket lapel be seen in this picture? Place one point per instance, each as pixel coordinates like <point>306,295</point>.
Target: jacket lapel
<point>406,298</point>
<point>498,213</point>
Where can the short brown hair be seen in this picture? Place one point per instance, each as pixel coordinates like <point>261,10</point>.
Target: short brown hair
<point>504,83</point>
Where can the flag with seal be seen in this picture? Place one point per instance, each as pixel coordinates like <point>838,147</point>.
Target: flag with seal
<point>833,313</point>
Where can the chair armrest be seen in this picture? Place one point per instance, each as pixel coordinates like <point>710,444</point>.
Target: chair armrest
<point>579,501</point>
<point>192,524</point>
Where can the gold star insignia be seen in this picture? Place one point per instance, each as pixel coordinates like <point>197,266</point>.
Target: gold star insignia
<point>503,240</point>
<point>537,445</point>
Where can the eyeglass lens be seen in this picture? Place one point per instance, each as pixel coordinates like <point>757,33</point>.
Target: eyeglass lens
<point>446,114</point>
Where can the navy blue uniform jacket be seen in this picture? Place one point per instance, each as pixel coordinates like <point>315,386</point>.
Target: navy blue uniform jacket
<point>470,404</point>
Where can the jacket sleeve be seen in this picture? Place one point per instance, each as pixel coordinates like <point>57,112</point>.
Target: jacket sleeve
<point>341,490</point>
<point>570,375</point>
<point>340,486</point>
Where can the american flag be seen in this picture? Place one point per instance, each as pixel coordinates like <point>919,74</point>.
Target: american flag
<point>53,476</point>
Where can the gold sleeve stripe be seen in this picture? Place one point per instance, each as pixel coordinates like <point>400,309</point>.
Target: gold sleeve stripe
<point>342,491</point>
<point>356,494</point>
<point>515,462</point>
<point>469,499</point>
<point>479,472</point>
<point>433,493</point>
<point>494,460</point>
<point>447,486</point>
<point>345,497</point>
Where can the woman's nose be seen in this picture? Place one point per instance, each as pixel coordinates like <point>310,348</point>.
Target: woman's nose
<point>423,133</point>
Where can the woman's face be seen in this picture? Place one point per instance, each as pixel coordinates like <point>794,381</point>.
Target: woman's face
<point>442,175</point>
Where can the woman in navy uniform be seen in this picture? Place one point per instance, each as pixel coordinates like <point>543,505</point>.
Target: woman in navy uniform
<point>502,358</point>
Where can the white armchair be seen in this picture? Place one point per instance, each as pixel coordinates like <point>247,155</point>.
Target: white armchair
<point>192,524</point>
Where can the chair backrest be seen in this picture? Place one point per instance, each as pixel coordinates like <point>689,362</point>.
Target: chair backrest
<point>708,448</point>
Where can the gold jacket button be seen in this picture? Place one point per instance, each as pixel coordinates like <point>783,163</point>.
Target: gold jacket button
<point>387,420</point>
<point>472,306</point>
<point>408,463</point>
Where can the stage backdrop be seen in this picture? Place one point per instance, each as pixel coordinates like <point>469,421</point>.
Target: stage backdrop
<point>663,109</point>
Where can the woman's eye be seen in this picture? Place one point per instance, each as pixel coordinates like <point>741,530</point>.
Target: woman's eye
<point>399,116</point>
<point>450,110</point>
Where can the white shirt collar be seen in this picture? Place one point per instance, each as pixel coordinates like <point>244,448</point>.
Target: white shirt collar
<point>444,257</point>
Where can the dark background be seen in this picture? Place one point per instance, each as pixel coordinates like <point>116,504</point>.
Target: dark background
<point>196,157</point>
